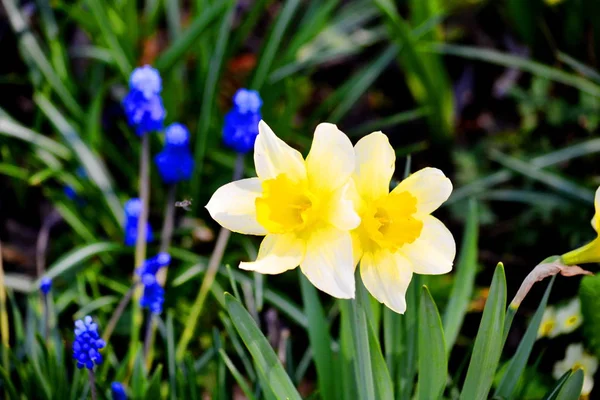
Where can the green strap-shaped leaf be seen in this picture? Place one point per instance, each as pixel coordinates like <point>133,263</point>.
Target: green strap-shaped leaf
<point>433,363</point>
<point>319,337</point>
<point>488,343</point>
<point>262,353</point>
<point>571,389</point>
<point>384,388</point>
<point>466,269</point>
<point>519,361</point>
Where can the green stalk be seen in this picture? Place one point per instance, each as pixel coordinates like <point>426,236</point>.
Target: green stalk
<point>140,243</point>
<point>4,330</point>
<point>211,272</point>
<point>110,327</point>
<point>363,369</point>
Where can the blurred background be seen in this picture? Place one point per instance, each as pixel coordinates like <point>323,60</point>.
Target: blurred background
<point>504,96</point>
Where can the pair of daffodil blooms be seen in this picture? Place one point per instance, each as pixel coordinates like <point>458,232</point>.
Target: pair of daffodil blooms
<point>334,209</point>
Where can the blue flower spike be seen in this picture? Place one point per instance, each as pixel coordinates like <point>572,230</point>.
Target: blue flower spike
<point>241,122</point>
<point>133,208</point>
<point>154,295</point>
<point>117,391</point>
<point>143,104</point>
<point>175,162</point>
<point>87,344</point>
<point>45,285</point>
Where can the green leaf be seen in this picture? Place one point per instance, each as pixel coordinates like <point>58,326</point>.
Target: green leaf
<point>464,280</point>
<point>72,260</point>
<point>186,40</point>
<point>92,164</point>
<point>517,364</point>
<point>488,343</point>
<point>171,366</point>
<point>11,128</point>
<point>7,382</point>
<point>384,387</point>
<point>433,362</point>
<point>551,395</point>
<point>266,361</point>
<point>99,12</point>
<point>571,389</point>
<point>236,375</point>
<point>319,337</point>
<point>589,294</point>
<point>510,61</point>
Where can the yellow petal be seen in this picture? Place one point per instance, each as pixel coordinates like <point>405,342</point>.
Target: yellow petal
<point>277,254</point>
<point>340,211</point>
<point>433,252</point>
<point>375,163</point>
<point>272,156</point>
<point>328,262</point>
<point>430,186</point>
<point>330,162</point>
<point>232,206</point>
<point>597,211</point>
<point>386,276</point>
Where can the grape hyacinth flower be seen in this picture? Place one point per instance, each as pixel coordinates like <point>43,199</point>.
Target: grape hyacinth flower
<point>143,104</point>
<point>153,296</point>
<point>133,208</point>
<point>175,162</point>
<point>87,343</point>
<point>45,285</point>
<point>241,123</point>
<point>118,391</point>
<point>152,265</point>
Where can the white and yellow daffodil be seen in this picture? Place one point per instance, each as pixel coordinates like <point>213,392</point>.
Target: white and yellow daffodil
<point>301,207</point>
<point>589,253</point>
<point>397,235</point>
<point>576,358</point>
<point>569,317</point>
<point>548,325</point>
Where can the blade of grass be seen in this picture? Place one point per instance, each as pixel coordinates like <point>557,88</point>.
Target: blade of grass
<point>236,375</point>
<point>488,342</point>
<point>265,358</point>
<point>93,166</point>
<point>510,61</point>
<point>319,337</point>
<point>98,10</point>
<point>433,362</point>
<point>464,280</point>
<point>11,128</point>
<point>578,66</point>
<point>517,365</point>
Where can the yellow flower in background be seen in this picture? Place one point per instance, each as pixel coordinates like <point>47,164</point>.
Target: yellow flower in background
<point>569,317</point>
<point>553,2</point>
<point>548,325</point>
<point>589,253</point>
<point>301,207</point>
<point>576,358</point>
<point>397,237</point>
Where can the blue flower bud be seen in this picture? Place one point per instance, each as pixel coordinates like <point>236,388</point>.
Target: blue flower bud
<point>133,208</point>
<point>174,164</point>
<point>247,101</point>
<point>152,265</point>
<point>153,296</point>
<point>177,135</point>
<point>145,80</point>
<point>87,343</point>
<point>144,114</point>
<point>118,391</point>
<point>45,285</point>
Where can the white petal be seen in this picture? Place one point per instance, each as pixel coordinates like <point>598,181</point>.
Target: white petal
<point>597,210</point>
<point>328,262</point>
<point>232,206</point>
<point>272,156</point>
<point>433,252</point>
<point>386,276</point>
<point>375,163</point>
<point>277,254</point>
<point>340,209</point>
<point>430,187</point>
<point>330,162</point>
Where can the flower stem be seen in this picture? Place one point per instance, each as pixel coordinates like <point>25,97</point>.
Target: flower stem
<point>360,337</point>
<point>46,316</point>
<point>148,335</point>
<point>4,328</point>
<point>92,384</point>
<point>110,327</point>
<point>167,230</point>
<point>211,272</point>
<point>140,243</point>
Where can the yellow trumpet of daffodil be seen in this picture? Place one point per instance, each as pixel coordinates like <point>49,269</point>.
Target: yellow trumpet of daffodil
<point>589,253</point>
<point>300,205</point>
<point>397,235</point>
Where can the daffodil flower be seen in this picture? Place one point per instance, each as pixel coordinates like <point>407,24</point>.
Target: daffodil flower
<point>300,205</point>
<point>397,236</point>
<point>575,359</point>
<point>569,316</point>
<point>548,324</point>
<point>589,253</point>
